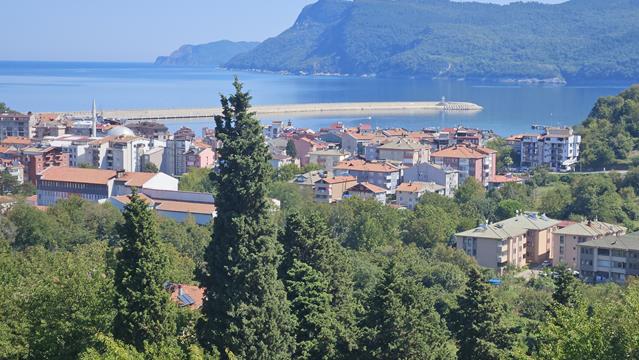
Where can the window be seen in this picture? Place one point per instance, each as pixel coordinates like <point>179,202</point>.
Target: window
<point>603,263</point>
<point>561,240</point>
<point>604,252</point>
<point>618,253</point>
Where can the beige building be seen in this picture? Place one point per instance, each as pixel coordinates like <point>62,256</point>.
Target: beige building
<point>367,191</point>
<point>525,238</point>
<point>565,240</point>
<point>408,193</point>
<point>330,190</point>
<point>404,151</point>
<point>327,158</point>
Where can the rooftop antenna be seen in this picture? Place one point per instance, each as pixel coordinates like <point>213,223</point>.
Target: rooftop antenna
<point>94,121</point>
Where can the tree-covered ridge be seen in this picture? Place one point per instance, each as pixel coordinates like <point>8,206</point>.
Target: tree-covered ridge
<point>576,40</point>
<point>212,54</point>
<point>610,134</point>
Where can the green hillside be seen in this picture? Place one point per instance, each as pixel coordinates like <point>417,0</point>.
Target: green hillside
<point>576,40</point>
<point>211,54</point>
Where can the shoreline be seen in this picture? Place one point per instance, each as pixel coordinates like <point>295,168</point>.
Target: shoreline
<point>362,108</point>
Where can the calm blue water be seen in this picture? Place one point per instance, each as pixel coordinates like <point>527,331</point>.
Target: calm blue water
<point>45,86</point>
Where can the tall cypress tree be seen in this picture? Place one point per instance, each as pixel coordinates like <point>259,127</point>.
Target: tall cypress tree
<point>477,322</point>
<point>306,239</point>
<point>566,288</point>
<point>401,321</point>
<point>245,307</point>
<point>144,312</point>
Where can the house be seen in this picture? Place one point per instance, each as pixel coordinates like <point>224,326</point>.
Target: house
<point>16,124</point>
<point>438,174</point>
<point>304,146</point>
<point>307,180</point>
<point>327,159</point>
<point>37,159</point>
<point>355,143</point>
<point>404,151</point>
<point>565,240</point>
<point>382,174</point>
<point>176,205</point>
<point>557,148</point>
<point>279,159</point>
<point>330,190</point>
<point>525,238</point>
<point>498,181</point>
<point>97,185</point>
<point>408,193</point>
<point>366,191</point>
<point>470,161</point>
<point>610,258</point>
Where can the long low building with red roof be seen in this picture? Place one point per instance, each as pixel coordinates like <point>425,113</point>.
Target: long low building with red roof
<point>97,185</point>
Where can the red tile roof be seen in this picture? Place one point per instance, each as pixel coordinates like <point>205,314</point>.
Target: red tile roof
<point>411,187</point>
<point>16,140</point>
<point>337,179</point>
<point>367,186</point>
<point>502,179</point>
<point>463,152</point>
<point>186,207</point>
<point>136,179</point>
<point>77,175</point>
<point>194,292</point>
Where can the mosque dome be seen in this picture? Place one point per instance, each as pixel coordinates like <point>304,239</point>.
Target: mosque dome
<point>120,131</point>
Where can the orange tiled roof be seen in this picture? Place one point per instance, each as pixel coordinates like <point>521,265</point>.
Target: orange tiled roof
<point>136,179</point>
<point>362,136</point>
<point>18,140</point>
<point>338,179</point>
<point>194,292</point>
<point>500,179</point>
<point>186,207</point>
<point>368,186</point>
<point>77,175</point>
<point>462,152</point>
<point>411,187</point>
<point>362,165</point>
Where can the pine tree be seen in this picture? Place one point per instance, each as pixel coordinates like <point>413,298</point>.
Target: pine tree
<point>477,322</point>
<point>245,309</point>
<point>401,321</point>
<point>311,304</point>
<point>306,239</point>
<point>144,312</point>
<point>290,149</point>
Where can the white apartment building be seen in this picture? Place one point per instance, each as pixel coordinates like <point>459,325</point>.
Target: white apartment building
<point>557,148</point>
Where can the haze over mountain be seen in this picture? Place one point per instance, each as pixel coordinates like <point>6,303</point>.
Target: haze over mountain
<point>211,54</point>
<point>575,40</point>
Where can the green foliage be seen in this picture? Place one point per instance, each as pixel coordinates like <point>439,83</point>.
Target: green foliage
<point>610,132</point>
<point>507,209</point>
<point>150,168</point>
<point>429,39</point>
<point>566,288</point>
<point>8,184</point>
<point>401,321</point>
<point>245,308</point>
<point>4,108</point>
<point>188,238</point>
<point>198,180</point>
<point>477,322</point>
<point>287,172</point>
<point>506,156</point>
<point>34,227</point>
<point>365,224</point>
<point>144,312</point>
<point>430,225</point>
<point>556,201</point>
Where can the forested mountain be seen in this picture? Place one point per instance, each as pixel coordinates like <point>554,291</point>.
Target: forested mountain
<point>211,54</point>
<point>576,40</point>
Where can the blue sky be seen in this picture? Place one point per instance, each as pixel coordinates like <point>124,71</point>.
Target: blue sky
<point>135,30</point>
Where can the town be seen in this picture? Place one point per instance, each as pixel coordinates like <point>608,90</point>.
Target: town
<point>103,162</point>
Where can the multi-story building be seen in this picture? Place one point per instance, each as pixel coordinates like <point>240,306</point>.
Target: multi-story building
<point>330,190</point>
<point>304,146</point>
<point>383,174</point>
<point>557,148</point>
<point>355,143</point>
<point>408,193</point>
<point>16,124</point>
<point>609,258</point>
<point>477,162</point>
<point>37,159</point>
<point>401,150</point>
<point>366,191</point>
<point>76,146</point>
<point>327,159</point>
<point>16,142</point>
<point>525,238</point>
<point>150,130</point>
<point>185,152</point>
<point>565,240</point>
<point>438,174</point>
<point>56,183</point>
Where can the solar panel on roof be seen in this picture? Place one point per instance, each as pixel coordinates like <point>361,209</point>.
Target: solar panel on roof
<point>186,300</point>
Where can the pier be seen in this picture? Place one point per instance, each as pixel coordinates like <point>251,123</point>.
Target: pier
<point>332,109</point>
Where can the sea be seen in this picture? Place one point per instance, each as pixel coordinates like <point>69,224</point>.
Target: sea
<point>509,108</point>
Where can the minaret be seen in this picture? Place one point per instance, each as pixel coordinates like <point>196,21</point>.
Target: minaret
<point>94,122</point>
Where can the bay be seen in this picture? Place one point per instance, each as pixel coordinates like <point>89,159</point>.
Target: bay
<point>508,108</point>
